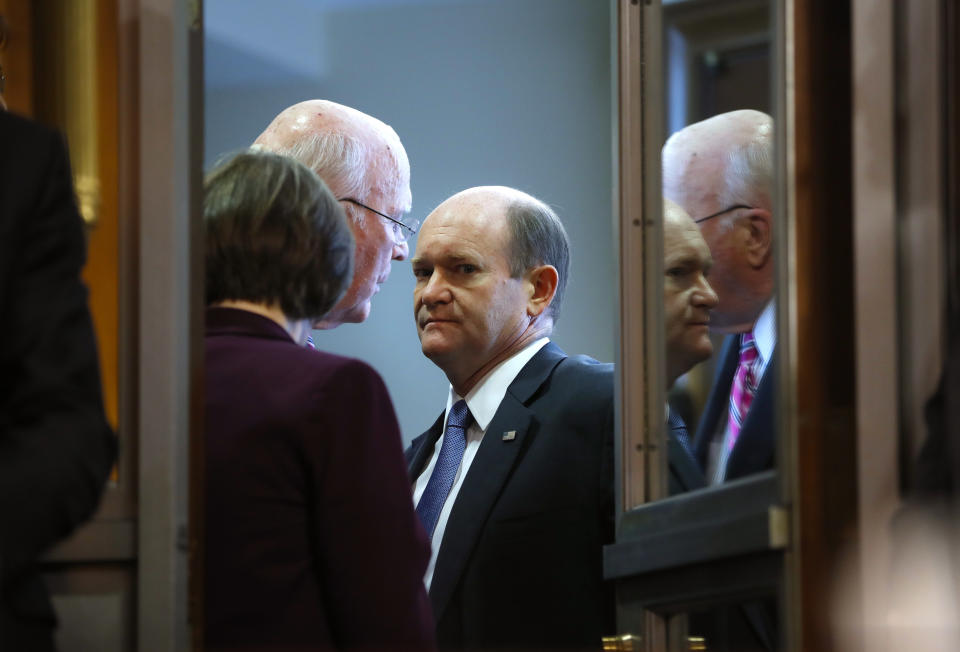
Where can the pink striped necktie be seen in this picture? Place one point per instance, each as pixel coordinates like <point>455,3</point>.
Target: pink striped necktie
<point>744,387</point>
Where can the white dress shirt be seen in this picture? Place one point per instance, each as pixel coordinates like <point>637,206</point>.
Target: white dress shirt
<point>765,336</point>
<point>765,339</point>
<point>483,401</point>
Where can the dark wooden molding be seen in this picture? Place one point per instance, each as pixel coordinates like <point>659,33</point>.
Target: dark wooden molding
<point>950,35</point>
<point>825,483</point>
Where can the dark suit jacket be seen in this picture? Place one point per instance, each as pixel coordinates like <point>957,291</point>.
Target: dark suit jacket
<point>685,473</point>
<point>56,448</point>
<point>311,537</point>
<point>754,450</point>
<point>521,565</point>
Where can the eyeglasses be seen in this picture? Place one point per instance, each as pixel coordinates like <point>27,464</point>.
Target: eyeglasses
<point>725,210</point>
<point>401,230</point>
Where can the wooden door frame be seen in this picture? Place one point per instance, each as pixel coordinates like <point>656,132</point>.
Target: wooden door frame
<point>169,134</point>
<point>824,468</point>
<point>648,597</point>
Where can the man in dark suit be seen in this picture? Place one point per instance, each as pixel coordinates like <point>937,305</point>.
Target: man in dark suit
<point>720,171</point>
<point>688,300</point>
<point>56,448</point>
<point>514,481</point>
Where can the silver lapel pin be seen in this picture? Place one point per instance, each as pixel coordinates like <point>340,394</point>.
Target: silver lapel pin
<point>509,435</point>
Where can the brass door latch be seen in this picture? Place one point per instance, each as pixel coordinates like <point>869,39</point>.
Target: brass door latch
<point>632,643</point>
<point>622,643</point>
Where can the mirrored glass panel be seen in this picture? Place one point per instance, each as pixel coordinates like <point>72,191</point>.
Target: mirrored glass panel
<point>719,270</point>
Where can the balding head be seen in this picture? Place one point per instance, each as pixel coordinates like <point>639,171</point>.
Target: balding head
<point>491,263</point>
<point>674,216</point>
<point>726,159</point>
<point>343,146</point>
<point>536,235</point>
<point>360,158</point>
<point>722,169</point>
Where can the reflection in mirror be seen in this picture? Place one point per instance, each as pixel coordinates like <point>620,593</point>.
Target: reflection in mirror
<point>718,169</point>
<point>687,301</point>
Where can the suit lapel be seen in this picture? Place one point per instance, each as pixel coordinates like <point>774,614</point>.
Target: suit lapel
<point>683,467</point>
<point>755,445</point>
<point>719,399</point>
<point>421,448</point>
<point>685,474</point>
<point>490,470</point>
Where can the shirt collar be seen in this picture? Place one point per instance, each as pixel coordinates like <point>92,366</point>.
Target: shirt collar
<point>237,321</point>
<point>765,331</point>
<point>485,397</point>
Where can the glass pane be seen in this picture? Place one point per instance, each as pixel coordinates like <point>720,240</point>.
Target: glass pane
<point>718,186</point>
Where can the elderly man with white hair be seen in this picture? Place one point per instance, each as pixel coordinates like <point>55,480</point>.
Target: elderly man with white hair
<point>365,166</point>
<point>720,171</point>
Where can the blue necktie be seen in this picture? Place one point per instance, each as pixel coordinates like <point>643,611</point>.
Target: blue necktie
<point>451,454</point>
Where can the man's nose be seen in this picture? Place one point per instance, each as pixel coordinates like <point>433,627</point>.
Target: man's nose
<point>435,291</point>
<point>401,250</point>
<point>705,296</point>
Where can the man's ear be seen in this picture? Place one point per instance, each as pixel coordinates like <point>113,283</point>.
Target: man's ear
<point>759,242</point>
<point>543,285</point>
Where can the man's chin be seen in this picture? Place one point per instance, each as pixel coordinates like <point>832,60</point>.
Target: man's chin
<point>354,315</point>
<point>325,324</point>
<point>691,353</point>
<point>433,349</point>
<point>702,353</point>
<point>729,323</point>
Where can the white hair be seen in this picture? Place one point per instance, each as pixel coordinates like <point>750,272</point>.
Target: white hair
<point>345,161</point>
<point>748,176</point>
